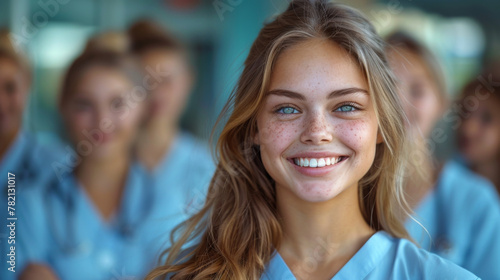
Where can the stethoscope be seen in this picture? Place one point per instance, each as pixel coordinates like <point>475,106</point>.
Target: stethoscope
<point>66,190</point>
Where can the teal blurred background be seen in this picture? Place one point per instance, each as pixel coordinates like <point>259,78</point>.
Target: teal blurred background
<point>464,35</point>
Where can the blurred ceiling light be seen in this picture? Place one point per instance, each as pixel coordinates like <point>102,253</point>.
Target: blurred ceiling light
<point>56,45</point>
<point>465,37</point>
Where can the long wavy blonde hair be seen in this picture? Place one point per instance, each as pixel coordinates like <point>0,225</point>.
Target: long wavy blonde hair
<point>238,228</point>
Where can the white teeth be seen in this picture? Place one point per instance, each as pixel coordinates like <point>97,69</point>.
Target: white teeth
<point>316,162</point>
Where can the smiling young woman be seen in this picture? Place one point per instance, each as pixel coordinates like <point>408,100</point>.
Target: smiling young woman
<point>311,160</point>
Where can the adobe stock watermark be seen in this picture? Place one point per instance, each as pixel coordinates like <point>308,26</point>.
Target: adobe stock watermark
<point>40,18</point>
<point>131,99</point>
<point>223,6</point>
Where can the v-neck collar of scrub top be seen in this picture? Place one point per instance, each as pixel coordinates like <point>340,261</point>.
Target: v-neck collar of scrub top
<point>358,267</point>
<point>131,210</point>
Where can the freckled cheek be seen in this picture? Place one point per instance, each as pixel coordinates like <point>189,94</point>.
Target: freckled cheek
<point>357,135</point>
<point>276,133</point>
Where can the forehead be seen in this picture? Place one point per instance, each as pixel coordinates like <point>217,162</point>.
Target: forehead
<point>8,67</point>
<point>316,66</point>
<point>99,80</point>
<point>161,56</point>
<point>408,65</point>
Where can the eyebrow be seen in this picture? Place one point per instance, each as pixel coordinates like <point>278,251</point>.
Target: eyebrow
<point>335,93</point>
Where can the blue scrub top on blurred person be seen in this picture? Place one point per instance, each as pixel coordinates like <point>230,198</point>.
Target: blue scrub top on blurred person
<point>29,162</point>
<point>185,171</point>
<point>381,257</point>
<point>61,227</point>
<point>462,217</point>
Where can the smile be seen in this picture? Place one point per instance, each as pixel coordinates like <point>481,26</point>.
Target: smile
<point>317,162</point>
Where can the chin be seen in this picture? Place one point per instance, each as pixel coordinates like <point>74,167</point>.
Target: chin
<point>317,192</point>
<point>103,151</point>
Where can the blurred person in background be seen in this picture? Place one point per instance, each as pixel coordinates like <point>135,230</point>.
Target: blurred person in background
<point>479,131</point>
<point>177,161</point>
<point>90,221</point>
<point>459,211</point>
<point>21,154</point>
<point>109,40</point>
<point>15,81</point>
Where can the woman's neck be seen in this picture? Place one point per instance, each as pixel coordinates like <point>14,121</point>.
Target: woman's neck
<point>6,141</point>
<point>330,232</point>
<point>104,181</point>
<point>154,143</point>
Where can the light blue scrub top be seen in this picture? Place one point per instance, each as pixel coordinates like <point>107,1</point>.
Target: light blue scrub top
<point>60,226</point>
<point>186,170</point>
<point>28,160</point>
<point>462,217</point>
<point>383,257</point>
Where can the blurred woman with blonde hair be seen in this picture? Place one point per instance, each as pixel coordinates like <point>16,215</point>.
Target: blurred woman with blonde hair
<point>88,221</point>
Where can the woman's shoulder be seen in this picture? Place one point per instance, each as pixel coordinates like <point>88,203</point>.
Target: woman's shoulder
<point>416,263</point>
<point>459,186</point>
<point>34,202</point>
<point>469,183</point>
<point>193,146</point>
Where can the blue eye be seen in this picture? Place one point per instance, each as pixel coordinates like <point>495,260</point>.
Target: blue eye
<point>346,108</point>
<point>287,110</point>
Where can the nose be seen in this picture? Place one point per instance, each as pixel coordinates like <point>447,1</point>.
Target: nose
<point>100,115</point>
<point>317,130</point>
